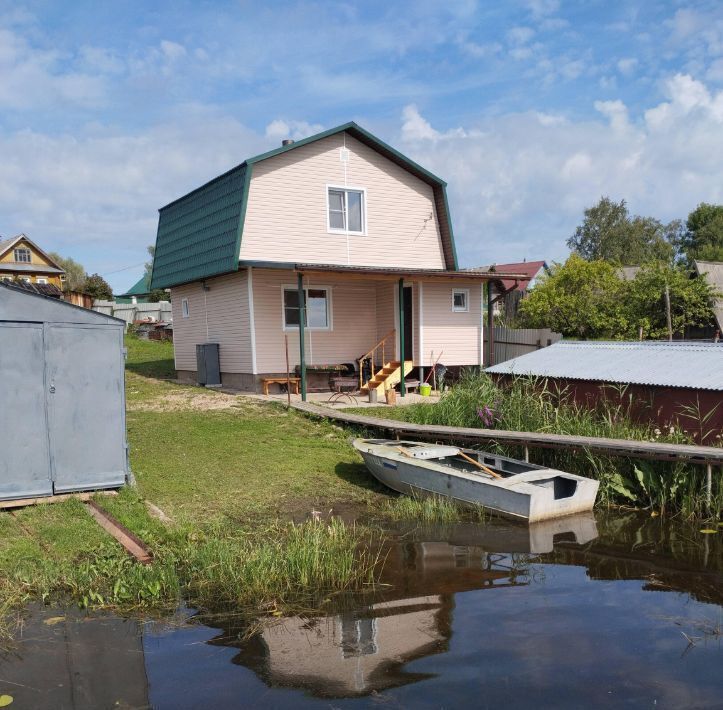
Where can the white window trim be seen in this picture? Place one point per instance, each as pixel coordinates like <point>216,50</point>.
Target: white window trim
<point>329,308</point>
<point>41,280</point>
<point>25,250</point>
<point>347,232</point>
<point>465,291</point>
<point>185,310</point>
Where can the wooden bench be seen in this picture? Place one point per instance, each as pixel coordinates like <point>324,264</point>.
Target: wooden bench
<point>411,385</point>
<point>293,381</point>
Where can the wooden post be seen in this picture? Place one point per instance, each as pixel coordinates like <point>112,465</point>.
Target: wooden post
<point>402,385</point>
<point>288,376</point>
<point>490,326</point>
<point>667,312</point>
<point>302,325</point>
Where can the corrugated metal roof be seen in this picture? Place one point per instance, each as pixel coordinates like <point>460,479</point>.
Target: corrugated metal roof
<point>664,364</point>
<point>139,288</point>
<point>713,270</point>
<point>199,234</point>
<point>39,268</point>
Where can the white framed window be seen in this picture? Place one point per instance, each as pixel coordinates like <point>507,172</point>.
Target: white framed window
<point>22,255</point>
<point>317,300</point>
<point>41,280</point>
<point>184,308</point>
<point>26,279</point>
<point>346,210</point>
<point>460,300</point>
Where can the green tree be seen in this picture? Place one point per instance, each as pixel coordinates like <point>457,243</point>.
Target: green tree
<point>157,294</point>
<point>703,238</point>
<point>98,287</point>
<point>610,233</point>
<point>580,299</point>
<point>74,272</point>
<point>690,301</point>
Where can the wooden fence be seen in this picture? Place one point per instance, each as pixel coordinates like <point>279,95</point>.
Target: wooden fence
<point>513,342</point>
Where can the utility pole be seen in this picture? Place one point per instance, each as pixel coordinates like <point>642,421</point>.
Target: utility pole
<point>667,312</point>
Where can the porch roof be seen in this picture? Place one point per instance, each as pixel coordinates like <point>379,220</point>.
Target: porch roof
<point>389,273</point>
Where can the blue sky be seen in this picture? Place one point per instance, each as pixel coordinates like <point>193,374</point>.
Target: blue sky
<point>531,110</point>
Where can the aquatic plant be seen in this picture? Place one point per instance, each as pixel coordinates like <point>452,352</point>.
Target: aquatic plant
<point>429,509</point>
<point>536,404</point>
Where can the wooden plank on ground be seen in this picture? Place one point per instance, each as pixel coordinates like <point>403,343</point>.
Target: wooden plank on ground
<point>131,542</point>
<point>700,455</point>
<point>23,502</point>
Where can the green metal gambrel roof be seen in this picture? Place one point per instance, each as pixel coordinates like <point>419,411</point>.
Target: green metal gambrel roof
<point>199,235</point>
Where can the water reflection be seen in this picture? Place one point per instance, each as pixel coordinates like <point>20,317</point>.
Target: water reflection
<point>368,647</point>
<point>558,615</point>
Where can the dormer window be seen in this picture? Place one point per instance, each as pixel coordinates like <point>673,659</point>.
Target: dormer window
<point>347,210</point>
<point>22,255</point>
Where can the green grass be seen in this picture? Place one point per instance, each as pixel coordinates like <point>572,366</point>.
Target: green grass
<point>533,405</point>
<point>231,479</point>
<point>429,509</point>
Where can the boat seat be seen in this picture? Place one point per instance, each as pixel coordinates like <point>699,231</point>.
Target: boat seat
<point>431,451</point>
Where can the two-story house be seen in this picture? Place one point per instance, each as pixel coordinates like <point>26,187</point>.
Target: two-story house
<point>22,259</point>
<point>338,242</point>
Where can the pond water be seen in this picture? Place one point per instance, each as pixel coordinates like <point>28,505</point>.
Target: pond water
<point>618,611</point>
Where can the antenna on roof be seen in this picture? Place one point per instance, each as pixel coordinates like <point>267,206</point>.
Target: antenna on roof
<point>287,141</point>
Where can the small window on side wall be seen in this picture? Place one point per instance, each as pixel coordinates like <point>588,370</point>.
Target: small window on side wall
<point>184,308</point>
<point>346,210</point>
<point>316,301</point>
<point>460,300</point>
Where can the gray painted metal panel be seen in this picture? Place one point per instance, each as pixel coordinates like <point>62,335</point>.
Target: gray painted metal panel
<point>662,364</point>
<point>18,305</point>
<point>85,406</point>
<point>24,457</point>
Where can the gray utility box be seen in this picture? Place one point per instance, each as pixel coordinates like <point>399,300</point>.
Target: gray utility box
<point>208,365</point>
<point>62,397</point>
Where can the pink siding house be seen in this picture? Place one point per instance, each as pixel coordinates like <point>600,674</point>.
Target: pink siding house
<point>337,244</point>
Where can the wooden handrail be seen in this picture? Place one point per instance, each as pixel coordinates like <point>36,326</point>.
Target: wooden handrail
<point>371,353</point>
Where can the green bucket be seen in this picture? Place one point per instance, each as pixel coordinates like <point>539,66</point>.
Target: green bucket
<point>425,390</point>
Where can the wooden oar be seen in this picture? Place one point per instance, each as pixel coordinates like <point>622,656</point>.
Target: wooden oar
<point>479,465</point>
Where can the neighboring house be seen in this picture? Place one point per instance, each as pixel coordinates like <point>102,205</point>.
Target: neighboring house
<point>21,259</point>
<point>713,271</point>
<point>669,383</point>
<point>513,291</point>
<point>138,293</point>
<point>340,225</point>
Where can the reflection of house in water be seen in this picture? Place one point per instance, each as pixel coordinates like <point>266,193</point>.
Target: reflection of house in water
<point>357,651</point>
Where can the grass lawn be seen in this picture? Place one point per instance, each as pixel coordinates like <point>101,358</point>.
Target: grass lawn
<point>226,469</point>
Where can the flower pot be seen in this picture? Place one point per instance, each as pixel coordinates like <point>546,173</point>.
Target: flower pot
<point>391,395</point>
<point>425,390</point>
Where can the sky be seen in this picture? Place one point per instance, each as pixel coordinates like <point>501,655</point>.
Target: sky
<point>531,110</point>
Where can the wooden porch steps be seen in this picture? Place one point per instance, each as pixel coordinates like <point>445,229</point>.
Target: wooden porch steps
<point>388,376</point>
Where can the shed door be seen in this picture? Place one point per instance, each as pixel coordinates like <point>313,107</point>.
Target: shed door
<point>24,461</point>
<point>85,406</point>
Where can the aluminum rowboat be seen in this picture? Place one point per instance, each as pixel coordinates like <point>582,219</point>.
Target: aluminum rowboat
<point>525,491</point>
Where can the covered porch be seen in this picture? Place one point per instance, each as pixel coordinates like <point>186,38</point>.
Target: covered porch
<point>388,325</point>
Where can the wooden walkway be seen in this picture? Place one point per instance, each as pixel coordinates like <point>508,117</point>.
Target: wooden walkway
<point>701,455</point>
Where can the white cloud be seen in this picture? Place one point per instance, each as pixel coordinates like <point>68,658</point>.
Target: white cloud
<point>520,35</point>
<point>295,130</point>
<point>626,66</point>
<point>542,8</point>
<point>30,78</point>
<point>518,183</point>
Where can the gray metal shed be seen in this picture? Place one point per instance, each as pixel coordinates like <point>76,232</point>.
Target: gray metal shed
<point>62,397</point>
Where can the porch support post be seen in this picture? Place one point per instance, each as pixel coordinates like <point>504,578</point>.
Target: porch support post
<point>490,326</point>
<point>402,385</point>
<point>302,325</point>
